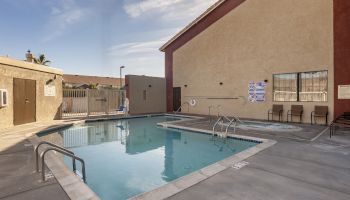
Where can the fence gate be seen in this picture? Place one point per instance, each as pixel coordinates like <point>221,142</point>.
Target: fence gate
<point>87,102</point>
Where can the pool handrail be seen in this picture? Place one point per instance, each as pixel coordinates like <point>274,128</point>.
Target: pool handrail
<point>53,145</point>
<point>234,121</point>
<point>64,153</point>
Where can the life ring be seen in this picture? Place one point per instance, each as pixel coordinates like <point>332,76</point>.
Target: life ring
<point>193,102</point>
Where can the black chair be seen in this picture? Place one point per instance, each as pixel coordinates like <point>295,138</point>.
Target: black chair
<point>296,110</point>
<point>320,111</point>
<point>277,109</point>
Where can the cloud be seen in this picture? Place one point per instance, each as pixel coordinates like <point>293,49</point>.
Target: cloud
<point>167,10</point>
<point>141,7</point>
<point>63,15</point>
<point>144,48</point>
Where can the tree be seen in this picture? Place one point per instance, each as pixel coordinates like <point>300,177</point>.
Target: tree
<point>41,60</point>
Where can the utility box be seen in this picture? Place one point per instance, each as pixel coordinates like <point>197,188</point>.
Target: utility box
<point>3,98</point>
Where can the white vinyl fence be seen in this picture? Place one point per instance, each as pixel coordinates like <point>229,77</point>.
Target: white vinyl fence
<point>87,102</point>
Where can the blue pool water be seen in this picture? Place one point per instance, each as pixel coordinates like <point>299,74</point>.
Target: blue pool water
<point>128,157</point>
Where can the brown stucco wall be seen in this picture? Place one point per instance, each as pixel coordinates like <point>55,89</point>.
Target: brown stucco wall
<point>155,101</point>
<point>341,53</point>
<point>47,108</point>
<point>257,39</point>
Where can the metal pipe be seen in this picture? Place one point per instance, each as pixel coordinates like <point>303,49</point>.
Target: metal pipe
<point>64,153</point>
<point>50,144</point>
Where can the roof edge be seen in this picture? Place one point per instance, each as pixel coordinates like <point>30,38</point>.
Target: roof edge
<point>30,66</point>
<point>190,25</point>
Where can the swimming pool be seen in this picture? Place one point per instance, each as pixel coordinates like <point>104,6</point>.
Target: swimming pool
<point>127,157</point>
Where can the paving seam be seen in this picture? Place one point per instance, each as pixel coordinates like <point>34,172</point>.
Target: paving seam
<point>15,152</point>
<point>318,163</point>
<point>24,191</point>
<point>296,179</point>
<point>319,135</point>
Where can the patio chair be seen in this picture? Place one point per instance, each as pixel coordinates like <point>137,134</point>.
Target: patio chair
<point>319,111</point>
<point>277,109</point>
<point>341,121</point>
<point>296,110</point>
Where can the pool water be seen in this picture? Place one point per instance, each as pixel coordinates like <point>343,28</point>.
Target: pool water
<point>127,157</point>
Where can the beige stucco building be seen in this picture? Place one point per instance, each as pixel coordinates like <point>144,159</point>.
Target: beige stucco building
<point>239,42</point>
<point>145,94</point>
<point>34,92</point>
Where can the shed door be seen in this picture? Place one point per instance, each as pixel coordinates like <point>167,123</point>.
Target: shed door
<point>24,101</point>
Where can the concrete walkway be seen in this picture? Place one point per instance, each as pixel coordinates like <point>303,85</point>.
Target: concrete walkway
<point>17,166</point>
<point>19,179</point>
<point>288,170</point>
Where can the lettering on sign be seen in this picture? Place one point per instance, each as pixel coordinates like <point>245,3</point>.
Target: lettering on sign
<point>49,90</point>
<point>343,91</point>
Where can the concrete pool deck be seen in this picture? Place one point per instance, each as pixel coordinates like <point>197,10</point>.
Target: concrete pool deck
<point>291,169</point>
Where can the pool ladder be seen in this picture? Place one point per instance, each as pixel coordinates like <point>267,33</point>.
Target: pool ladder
<point>64,151</point>
<point>234,121</point>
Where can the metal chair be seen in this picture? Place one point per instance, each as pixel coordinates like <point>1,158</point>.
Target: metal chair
<point>277,109</point>
<point>296,110</point>
<point>319,111</point>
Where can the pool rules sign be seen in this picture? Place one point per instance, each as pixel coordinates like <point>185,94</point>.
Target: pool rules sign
<point>256,92</point>
<point>49,91</point>
<point>343,91</point>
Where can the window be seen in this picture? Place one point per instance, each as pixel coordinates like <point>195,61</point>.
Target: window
<point>313,86</point>
<point>285,87</point>
<point>304,86</point>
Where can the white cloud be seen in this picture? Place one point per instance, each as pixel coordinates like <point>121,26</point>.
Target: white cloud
<point>168,10</point>
<point>145,47</point>
<point>63,15</point>
<point>144,6</point>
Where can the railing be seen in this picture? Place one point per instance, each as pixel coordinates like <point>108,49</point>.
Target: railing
<point>85,102</point>
<point>60,150</point>
<point>49,144</point>
<point>231,122</point>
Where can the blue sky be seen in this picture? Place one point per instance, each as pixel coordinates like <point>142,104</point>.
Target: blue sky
<point>95,37</point>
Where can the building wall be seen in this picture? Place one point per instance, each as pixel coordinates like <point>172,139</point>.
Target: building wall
<point>341,53</point>
<point>47,107</point>
<point>154,90</point>
<point>252,42</point>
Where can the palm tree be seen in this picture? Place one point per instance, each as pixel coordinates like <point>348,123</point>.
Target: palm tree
<point>41,60</point>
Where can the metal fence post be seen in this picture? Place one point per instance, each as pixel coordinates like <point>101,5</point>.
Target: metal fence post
<point>87,94</point>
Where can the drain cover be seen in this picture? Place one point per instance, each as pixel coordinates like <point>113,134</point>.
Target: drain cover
<point>48,175</point>
<point>239,165</point>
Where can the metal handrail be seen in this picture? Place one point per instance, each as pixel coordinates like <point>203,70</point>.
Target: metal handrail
<point>53,145</point>
<point>234,121</point>
<point>188,108</point>
<point>216,123</point>
<point>64,153</point>
<point>230,123</point>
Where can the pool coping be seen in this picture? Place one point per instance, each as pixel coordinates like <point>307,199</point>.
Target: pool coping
<point>77,189</point>
<point>184,182</point>
<point>74,187</point>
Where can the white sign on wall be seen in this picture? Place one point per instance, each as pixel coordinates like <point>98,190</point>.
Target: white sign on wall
<point>49,90</point>
<point>343,91</point>
<point>256,91</point>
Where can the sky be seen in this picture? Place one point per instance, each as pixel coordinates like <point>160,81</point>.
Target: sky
<point>95,37</point>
